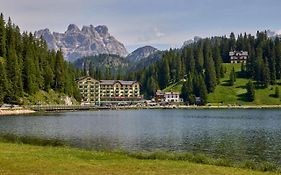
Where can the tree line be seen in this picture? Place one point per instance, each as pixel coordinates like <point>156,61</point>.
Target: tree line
<point>27,66</point>
<point>199,65</point>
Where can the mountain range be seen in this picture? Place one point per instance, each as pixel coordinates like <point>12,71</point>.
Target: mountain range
<point>88,41</point>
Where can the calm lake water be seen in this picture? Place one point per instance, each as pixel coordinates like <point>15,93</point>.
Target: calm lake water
<point>236,134</point>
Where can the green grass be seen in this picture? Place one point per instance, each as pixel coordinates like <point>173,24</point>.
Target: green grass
<point>28,159</point>
<point>235,95</point>
<point>174,87</point>
<point>45,98</point>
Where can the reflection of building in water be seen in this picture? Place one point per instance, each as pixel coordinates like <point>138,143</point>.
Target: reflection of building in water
<point>93,91</point>
<point>238,56</point>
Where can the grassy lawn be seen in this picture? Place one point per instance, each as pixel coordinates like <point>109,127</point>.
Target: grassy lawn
<point>26,159</point>
<point>235,95</point>
<point>174,87</point>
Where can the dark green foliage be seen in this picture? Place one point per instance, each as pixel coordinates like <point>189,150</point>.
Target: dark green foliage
<point>203,92</point>
<point>59,72</point>
<point>27,66</point>
<point>151,87</point>
<point>250,91</point>
<point>184,92</point>
<point>232,77</point>
<point>3,81</point>
<point>210,72</point>
<point>277,93</point>
<point>2,37</point>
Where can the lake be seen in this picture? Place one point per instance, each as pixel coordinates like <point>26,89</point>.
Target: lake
<point>233,133</point>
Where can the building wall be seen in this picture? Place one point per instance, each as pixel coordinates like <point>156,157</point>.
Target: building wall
<point>238,57</point>
<point>89,90</point>
<point>172,97</point>
<point>93,91</point>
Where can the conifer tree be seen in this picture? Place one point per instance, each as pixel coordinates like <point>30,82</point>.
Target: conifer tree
<point>203,92</point>
<point>2,37</point>
<point>232,77</point>
<point>218,61</point>
<point>250,91</point>
<point>210,73</point>
<point>277,93</point>
<point>3,81</point>
<point>59,72</point>
<point>199,59</point>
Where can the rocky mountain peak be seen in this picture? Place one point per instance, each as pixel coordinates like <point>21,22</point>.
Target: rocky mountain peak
<point>140,53</point>
<point>73,28</point>
<point>88,41</point>
<point>102,30</point>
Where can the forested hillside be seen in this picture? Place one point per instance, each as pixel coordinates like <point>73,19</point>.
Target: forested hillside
<point>200,65</point>
<point>27,66</point>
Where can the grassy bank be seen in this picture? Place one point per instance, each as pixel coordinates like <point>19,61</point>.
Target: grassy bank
<point>28,159</point>
<point>225,94</point>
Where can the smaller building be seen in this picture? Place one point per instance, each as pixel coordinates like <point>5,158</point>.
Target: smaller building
<point>238,56</point>
<point>172,97</point>
<point>168,97</point>
<point>159,96</point>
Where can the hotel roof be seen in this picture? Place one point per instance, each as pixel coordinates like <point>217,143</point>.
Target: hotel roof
<point>112,82</point>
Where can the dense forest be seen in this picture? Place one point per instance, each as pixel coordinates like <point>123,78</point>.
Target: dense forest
<point>200,65</point>
<point>27,66</point>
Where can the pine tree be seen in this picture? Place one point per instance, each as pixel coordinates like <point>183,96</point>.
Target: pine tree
<point>3,81</point>
<point>278,58</point>
<point>164,77</point>
<point>210,73</point>
<point>2,37</point>
<point>59,72</point>
<point>277,93</point>
<point>266,74</point>
<point>13,68</point>
<point>184,92</point>
<point>203,92</point>
<point>151,86</point>
<point>250,91</point>
<point>199,59</point>
<point>232,42</point>
<point>232,77</point>
<point>218,61</point>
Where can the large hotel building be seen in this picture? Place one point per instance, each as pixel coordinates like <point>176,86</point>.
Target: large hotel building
<point>94,91</point>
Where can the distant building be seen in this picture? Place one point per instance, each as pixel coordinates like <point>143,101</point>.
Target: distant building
<point>159,96</point>
<point>238,56</point>
<point>119,90</point>
<point>89,90</point>
<point>168,97</point>
<point>93,91</point>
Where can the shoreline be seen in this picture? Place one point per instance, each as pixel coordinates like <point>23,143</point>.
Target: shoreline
<point>15,111</point>
<point>26,110</point>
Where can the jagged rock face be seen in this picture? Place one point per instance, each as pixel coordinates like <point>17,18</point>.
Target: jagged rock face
<point>141,53</point>
<point>76,43</point>
<point>188,42</point>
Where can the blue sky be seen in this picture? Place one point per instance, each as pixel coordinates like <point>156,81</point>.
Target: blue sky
<point>160,23</point>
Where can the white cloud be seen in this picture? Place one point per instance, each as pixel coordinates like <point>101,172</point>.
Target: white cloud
<point>153,34</point>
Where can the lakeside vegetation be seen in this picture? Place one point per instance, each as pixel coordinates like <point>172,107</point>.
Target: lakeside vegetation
<point>29,159</point>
